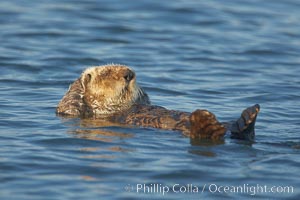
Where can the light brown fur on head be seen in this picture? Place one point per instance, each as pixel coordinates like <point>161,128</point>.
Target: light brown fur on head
<point>106,90</point>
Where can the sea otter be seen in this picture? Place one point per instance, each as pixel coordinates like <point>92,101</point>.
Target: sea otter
<point>110,92</point>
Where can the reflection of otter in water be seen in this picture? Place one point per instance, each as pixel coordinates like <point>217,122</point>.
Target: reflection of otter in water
<point>111,92</point>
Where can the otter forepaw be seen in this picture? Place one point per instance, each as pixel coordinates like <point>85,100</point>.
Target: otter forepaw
<point>205,125</point>
<point>244,127</point>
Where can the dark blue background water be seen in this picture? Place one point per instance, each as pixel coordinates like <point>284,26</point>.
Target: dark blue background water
<point>219,55</point>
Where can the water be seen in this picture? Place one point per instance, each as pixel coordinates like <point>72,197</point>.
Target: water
<point>221,56</point>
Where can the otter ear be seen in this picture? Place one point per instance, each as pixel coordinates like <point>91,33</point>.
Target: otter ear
<point>85,79</point>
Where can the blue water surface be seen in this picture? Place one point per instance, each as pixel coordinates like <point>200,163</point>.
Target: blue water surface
<point>218,55</point>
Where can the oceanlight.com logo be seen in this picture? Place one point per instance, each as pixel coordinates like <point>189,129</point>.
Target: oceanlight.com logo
<point>162,189</point>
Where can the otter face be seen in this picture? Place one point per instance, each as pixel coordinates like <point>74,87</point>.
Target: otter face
<point>111,88</point>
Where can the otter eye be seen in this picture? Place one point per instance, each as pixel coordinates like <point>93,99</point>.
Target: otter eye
<point>128,76</point>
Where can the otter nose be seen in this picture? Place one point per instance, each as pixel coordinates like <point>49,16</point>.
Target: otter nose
<point>128,75</point>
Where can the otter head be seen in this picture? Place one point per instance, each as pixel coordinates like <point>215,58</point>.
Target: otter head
<point>111,89</point>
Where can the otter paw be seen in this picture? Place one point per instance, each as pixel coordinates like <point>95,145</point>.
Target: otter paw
<point>205,125</point>
<point>244,127</point>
